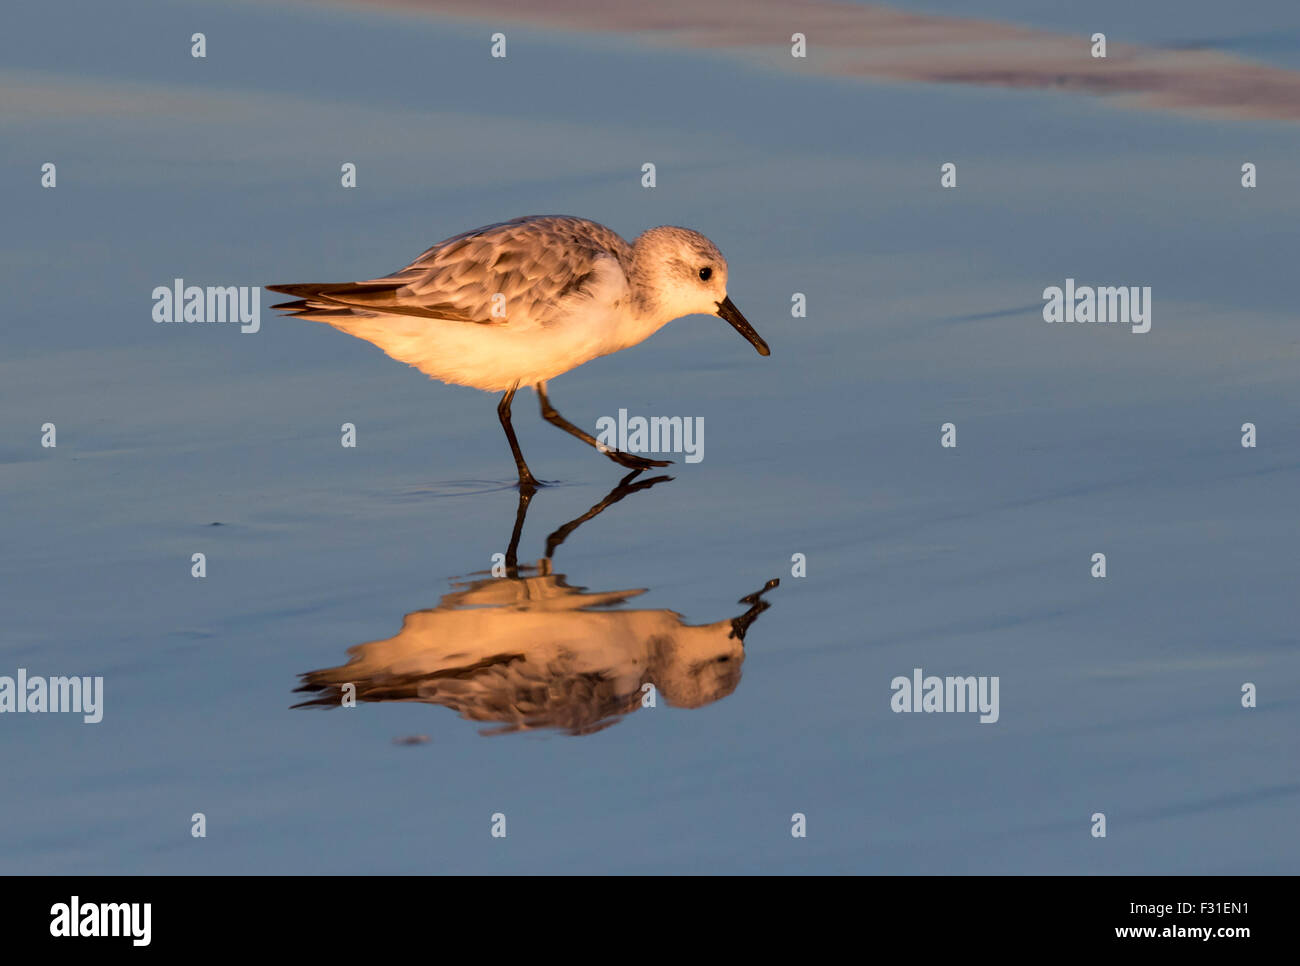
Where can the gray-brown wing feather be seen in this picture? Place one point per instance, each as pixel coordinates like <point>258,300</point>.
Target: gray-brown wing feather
<point>508,689</point>
<point>535,262</point>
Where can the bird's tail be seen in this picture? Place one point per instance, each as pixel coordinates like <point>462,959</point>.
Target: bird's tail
<point>333,302</point>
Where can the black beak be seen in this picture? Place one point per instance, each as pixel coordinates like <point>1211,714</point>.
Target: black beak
<point>727,310</point>
<point>739,625</point>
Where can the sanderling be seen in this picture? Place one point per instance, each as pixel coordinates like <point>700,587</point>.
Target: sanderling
<point>527,649</point>
<point>519,302</point>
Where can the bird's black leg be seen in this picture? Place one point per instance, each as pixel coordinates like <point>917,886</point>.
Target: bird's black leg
<point>629,484</point>
<point>618,456</point>
<point>521,513</point>
<point>526,478</point>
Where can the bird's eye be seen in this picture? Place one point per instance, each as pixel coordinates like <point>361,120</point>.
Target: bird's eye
<point>705,274</point>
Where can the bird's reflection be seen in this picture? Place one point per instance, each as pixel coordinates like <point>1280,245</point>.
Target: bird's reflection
<point>527,650</point>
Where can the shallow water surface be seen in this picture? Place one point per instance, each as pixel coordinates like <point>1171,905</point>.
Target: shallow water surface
<point>1119,695</point>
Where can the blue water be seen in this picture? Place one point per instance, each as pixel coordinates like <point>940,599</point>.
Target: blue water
<point>1119,695</point>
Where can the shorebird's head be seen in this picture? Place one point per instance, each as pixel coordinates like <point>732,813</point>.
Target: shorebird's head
<point>697,665</point>
<point>680,272</point>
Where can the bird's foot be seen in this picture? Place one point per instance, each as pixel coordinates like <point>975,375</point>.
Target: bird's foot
<point>634,462</point>
<point>630,483</point>
<point>529,482</point>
